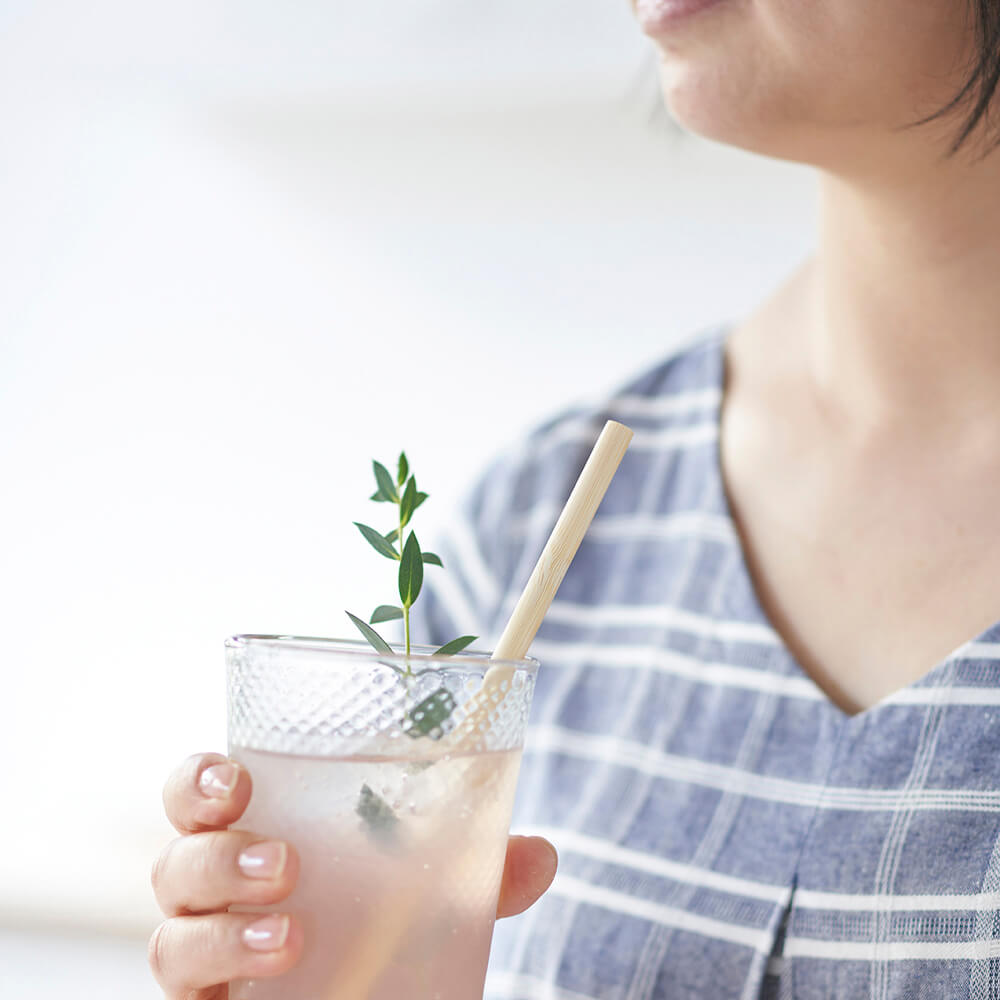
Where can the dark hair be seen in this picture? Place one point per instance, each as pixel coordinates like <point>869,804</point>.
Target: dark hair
<point>980,86</point>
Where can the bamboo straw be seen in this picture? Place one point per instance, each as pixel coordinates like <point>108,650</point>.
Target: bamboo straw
<point>540,590</point>
<point>375,945</point>
<point>564,541</point>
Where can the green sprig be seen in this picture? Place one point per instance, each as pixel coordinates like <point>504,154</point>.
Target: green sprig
<point>401,491</point>
<point>377,815</point>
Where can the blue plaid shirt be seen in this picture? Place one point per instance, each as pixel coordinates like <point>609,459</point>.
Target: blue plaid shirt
<point>725,832</point>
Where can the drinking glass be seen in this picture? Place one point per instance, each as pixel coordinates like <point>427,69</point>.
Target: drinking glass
<point>394,778</point>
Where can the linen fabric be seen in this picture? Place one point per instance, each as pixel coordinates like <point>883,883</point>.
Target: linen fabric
<point>724,830</point>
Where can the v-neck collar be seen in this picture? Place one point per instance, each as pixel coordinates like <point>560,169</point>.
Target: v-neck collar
<point>780,657</point>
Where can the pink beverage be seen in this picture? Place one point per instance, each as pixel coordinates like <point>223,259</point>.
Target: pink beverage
<point>394,778</point>
<point>401,861</point>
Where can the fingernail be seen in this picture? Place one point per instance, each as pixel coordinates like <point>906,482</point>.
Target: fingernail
<point>219,780</point>
<point>264,860</point>
<point>268,934</point>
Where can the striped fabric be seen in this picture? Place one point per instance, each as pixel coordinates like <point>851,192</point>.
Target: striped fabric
<point>724,830</point>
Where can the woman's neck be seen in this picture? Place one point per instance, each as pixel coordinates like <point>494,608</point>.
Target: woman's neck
<point>901,303</point>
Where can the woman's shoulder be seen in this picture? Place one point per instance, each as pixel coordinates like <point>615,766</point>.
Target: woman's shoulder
<point>503,519</point>
<point>670,405</point>
<point>692,371</point>
<point>666,404</point>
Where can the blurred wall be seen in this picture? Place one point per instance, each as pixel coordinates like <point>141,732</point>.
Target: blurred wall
<point>248,247</point>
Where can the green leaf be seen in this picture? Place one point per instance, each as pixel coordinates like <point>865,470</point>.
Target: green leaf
<point>392,536</point>
<point>378,498</point>
<point>456,645</point>
<point>377,541</point>
<point>421,497</point>
<point>371,635</point>
<point>406,505</point>
<point>432,559</point>
<point>385,613</point>
<point>377,814</point>
<point>425,717</point>
<point>404,469</point>
<point>386,487</point>
<point>411,571</point>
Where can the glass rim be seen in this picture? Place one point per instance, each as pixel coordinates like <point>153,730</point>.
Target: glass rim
<point>353,648</point>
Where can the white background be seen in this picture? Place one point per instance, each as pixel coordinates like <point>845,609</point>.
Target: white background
<point>245,248</point>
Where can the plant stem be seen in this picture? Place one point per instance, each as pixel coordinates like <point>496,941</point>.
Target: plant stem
<point>406,607</point>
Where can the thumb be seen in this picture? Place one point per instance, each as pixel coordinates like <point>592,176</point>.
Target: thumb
<point>528,872</point>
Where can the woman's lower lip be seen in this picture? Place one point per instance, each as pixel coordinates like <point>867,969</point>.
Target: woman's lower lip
<point>658,16</point>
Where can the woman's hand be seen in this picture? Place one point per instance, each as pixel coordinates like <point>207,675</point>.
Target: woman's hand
<point>201,947</point>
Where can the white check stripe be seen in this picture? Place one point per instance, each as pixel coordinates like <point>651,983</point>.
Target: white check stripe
<point>602,850</point>
<point>725,630</point>
<point>623,753</point>
<point>805,899</point>
<point>641,407</point>
<point>649,527</point>
<point>567,887</point>
<point>670,661</point>
<point>660,616</point>
<point>811,899</point>
<point>635,657</point>
<point>665,438</point>
<point>891,951</point>
<point>979,651</point>
<point>982,696</point>
<point>686,525</point>
<point>577,890</point>
<point>665,406</point>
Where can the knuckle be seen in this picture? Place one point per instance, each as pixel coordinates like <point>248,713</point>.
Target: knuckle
<point>156,953</point>
<point>215,941</point>
<point>215,857</point>
<point>182,775</point>
<point>162,876</point>
<point>156,875</point>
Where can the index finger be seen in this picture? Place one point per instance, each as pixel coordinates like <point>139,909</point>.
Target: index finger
<point>207,792</point>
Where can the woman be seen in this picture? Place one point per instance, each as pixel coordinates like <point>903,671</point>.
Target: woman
<point>768,723</point>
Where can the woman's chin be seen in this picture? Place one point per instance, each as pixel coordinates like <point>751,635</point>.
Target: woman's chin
<point>703,104</point>
<point>716,106</point>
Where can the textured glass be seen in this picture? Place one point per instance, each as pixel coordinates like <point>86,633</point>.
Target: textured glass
<point>324,697</point>
<point>393,779</point>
